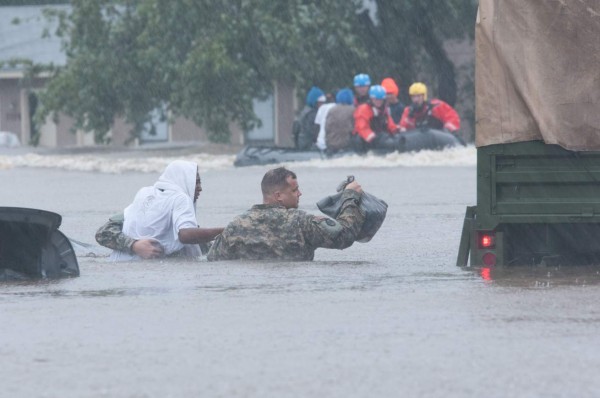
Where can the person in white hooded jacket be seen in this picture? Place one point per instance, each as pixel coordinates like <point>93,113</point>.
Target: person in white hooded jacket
<point>161,220</point>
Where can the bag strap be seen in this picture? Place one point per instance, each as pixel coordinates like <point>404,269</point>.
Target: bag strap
<point>343,184</point>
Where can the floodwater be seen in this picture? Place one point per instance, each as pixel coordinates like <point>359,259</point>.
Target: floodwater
<point>390,318</point>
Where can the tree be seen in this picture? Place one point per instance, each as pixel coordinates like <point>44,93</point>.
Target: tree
<point>208,60</point>
<point>205,60</point>
<point>31,2</point>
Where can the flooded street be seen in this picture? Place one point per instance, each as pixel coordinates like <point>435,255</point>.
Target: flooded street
<point>393,317</point>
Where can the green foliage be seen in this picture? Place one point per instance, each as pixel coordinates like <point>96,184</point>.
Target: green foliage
<point>31,2</point>
<point>407,42</point>
<point>208,60</point>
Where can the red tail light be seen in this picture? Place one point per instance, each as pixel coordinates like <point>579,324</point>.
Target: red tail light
<point>486,239</point>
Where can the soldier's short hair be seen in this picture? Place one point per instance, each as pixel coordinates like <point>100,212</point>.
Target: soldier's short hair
<point>275,179</point>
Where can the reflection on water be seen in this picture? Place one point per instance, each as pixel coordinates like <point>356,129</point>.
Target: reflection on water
<point>539,277</point>
<point>65,293</point>
<point>120,292</point>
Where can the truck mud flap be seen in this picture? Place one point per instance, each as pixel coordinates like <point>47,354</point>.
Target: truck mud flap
<point>462,259</point>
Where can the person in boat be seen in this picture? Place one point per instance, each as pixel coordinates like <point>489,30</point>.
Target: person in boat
<point>340,122</point>
<point>435,114</point>
<point>373,125</point>
<point>395,106</point>
<point>362,82</point>
<point>320,119</point>
<point>334,131</point>
<point>277,230</point>
<point>305,131</point>
<point>161,220</point>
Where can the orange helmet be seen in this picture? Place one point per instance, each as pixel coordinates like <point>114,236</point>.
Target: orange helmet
<point>390,86</point>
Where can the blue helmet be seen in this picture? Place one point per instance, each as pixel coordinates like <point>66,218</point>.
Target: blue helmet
<point>377,92</point>
<point>344,96</point>
<point>362,79</point>
<point>313,96</point>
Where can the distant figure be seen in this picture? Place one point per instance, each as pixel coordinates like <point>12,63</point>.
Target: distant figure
<point>340,122</point>
<point>277,230</point>
<point>395,107</point>
<point>373,125</point>
<point>362,82</point>
<point>161,221</point>
<point>435,114</point>
<point>305,130</point>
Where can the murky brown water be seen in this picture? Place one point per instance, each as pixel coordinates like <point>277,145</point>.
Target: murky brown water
<point>393,317</point>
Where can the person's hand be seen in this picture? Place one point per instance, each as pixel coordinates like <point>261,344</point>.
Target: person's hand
<point>355,186</point>
<point>147,248</point>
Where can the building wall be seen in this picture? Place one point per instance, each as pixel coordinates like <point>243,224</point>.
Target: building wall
<point>284,114</point>
<point>64,135</point>
<point>10,106</point>
<point>185,130</point>
<point>119,133</point>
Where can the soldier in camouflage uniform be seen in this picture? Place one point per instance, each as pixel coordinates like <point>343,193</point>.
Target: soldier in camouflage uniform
<point>277,230</point>
<point>111,235</point>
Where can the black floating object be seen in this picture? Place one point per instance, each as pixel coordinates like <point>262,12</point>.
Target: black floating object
<point>31,246</point>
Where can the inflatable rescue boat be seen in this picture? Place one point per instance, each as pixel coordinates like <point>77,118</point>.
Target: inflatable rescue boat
<point>410,141</point>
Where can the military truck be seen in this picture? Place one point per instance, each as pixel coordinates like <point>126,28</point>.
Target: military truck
<point>537,135</point>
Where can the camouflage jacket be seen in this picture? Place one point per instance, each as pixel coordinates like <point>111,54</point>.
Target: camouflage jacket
<point>111,235</point>
<point>273,232</point>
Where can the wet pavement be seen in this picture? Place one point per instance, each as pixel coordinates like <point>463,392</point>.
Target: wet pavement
<point>393,317</point>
